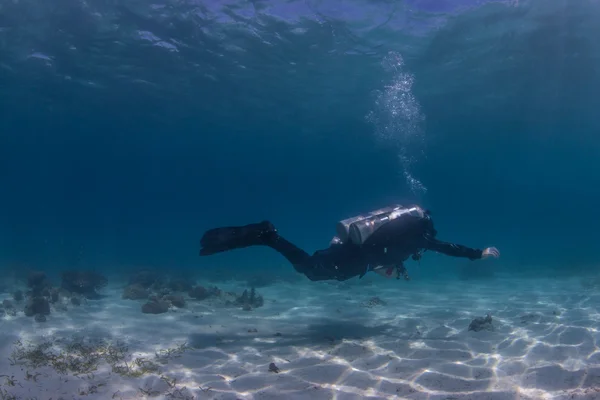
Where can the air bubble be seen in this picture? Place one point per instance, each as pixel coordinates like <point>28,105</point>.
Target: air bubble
<point>398,119</point>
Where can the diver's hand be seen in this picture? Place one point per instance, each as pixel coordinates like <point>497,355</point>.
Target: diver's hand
<point>490,252</point>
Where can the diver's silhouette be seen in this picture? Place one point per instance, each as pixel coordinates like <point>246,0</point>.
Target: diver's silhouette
<point>380,241</point>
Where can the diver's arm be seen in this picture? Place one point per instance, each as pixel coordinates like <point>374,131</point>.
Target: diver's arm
<point>451,249</point>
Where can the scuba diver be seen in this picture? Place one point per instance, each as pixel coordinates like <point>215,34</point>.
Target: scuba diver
<point>379,241</point>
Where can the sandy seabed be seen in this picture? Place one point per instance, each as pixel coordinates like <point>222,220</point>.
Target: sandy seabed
<point>325,341</point>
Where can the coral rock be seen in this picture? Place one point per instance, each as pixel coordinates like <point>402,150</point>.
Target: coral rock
<point>480,324</point>
<point>83,282</point>
<point>144,278</point>
<point>40,318</point>
<point>37,305</point>
<point>176,300</point>
<point>18,295</point>
<point>199,293</point>
<point>135,292</point>
<point>155,307</point>
<point>180,285</point>
<point>249,300</point>
<point>36,279</point>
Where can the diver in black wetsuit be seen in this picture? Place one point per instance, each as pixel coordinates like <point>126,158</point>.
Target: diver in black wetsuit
<point>380,241</point>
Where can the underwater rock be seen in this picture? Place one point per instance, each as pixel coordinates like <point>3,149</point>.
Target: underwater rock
<point>40,318</point>
<point>273,368</point>
<point>180,285</point>
<point>38,284</point>
<point>37,305</point>
<point>7,304</point>
<point>36,279</point>
<point>135,292</point>
<point>54,296</point>
<point>198,293</point>
<point>251,300</point>
<point>155,307</point>
<point>480,324</point>
<point>372,302</point>
<point>18,295</point>
<point>164,291</point>
<point>85,283</point>
<point>144,278</point>
<point>176,300</point>
<point>76,301</point>
<point>160,287</point>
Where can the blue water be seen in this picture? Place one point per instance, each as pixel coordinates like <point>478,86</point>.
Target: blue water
<point>128,129</point>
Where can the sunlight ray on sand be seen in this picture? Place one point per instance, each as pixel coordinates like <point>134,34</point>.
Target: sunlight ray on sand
<point>412,342</point>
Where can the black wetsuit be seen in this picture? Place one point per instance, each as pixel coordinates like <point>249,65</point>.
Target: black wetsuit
<point>391,244</point>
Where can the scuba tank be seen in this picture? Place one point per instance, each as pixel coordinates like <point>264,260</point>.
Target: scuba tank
<point>343,227</point>
<point>359,229</point>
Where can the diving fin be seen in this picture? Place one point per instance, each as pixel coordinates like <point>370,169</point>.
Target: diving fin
<point>228,238</point>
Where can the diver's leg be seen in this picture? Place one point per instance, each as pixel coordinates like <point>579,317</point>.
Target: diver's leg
<point>235,237</point>
<point>337,262</point>
<point>295,255</point>
<point>262,234</point>
<point>316,267</point>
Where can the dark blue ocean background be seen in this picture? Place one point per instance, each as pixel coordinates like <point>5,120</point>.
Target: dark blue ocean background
<point>129,128</point>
